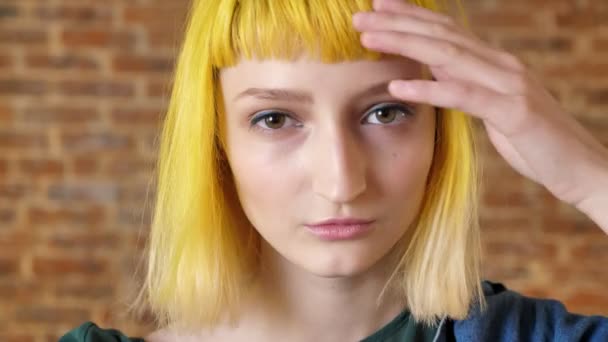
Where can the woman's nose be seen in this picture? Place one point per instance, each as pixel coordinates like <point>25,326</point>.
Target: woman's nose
<point>338,165</point>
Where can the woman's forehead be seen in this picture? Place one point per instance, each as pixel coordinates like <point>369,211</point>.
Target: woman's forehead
<point>306,68</point>
<point>309,80</point>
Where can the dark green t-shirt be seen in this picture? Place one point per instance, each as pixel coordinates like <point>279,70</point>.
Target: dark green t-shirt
<point>401,329</point>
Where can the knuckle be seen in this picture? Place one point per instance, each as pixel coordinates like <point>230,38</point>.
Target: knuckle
<point>464,93</point>
<point>447,20</point>
<point>438,29</point>
<point>452,50</point>
<point>520,83</point>
<point>521,105</point>
<point>522,108</point>
<point>513,61</point>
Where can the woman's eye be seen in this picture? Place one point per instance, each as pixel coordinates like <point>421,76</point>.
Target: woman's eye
<point>272,121</point>
<point>387,114</point>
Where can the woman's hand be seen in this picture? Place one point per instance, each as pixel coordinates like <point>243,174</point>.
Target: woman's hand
<point>525,123</point>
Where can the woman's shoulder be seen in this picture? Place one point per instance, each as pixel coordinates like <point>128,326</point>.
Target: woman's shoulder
<point>509,313</point>
<point>90,332</point>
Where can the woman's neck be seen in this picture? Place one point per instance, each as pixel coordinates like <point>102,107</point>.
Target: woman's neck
<point>298,305</point>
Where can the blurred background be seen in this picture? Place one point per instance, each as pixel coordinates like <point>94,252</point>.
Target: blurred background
<point>83,88</point>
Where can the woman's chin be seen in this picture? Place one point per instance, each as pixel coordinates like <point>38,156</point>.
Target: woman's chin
<point>339,264</point>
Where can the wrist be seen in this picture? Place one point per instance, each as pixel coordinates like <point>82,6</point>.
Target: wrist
<point>595,203</point>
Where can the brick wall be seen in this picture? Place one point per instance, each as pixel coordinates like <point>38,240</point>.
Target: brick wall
<point>83,86</point>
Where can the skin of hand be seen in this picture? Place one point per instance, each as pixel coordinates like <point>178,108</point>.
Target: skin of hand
<point>526,125</point>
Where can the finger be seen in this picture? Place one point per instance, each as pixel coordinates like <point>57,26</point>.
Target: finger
<point>385,21</point>
<point>406,8</point>
<point>496,109</point>
<point>454,59</point>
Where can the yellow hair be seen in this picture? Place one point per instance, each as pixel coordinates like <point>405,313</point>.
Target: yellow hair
<point>201,248</point>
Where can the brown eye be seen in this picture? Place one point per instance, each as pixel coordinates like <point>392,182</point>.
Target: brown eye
<point>274,121</point>
<point>388,114</point>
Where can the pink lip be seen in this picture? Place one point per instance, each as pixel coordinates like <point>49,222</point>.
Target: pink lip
<point>340,228</point>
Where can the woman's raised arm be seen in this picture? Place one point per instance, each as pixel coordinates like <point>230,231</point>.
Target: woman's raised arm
<point>528,127</point>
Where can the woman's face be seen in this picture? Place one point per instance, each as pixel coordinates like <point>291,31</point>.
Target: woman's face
<point>308,141</point>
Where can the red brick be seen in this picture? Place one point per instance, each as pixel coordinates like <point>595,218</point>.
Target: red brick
<point>587,70</point>
<point>6,115</point>
<point>23,291</point>
<point>151,144</point>
<point>22,37</point>
<point>64,114</point>
<point>507,223</point>
<point>158,89</point>
<point>135,193</point>
<point>533,249</point>
<point>499,271</point>
<point>22,140</point>
<point>15,240</point>
<point>580,272</point>
<point>508,192</point>
<point>538,44</point>
<point>62,62</point>
<point>8,11</point>
<point>22,87</point>
<point>7,291</point>
<point>6,61</point>
<point>587,302</point>
<point>538,4</point>
<point>51,315</point>
<point>17,337</point>
<point>89,292</point>
<point>597,97</point>
<point>591,18</point>
<point>61,266</point>
<point>13,191</point>
<point>163,39</point>
<point>72,216</point>
<point>135,218</point>
<point>566,225</point>
<point>594,249</point>
<point>94,142</point>
<point>85,166</point>
<point>157,14</point>
<point>138,116</point>
<point>535,292</point>
<point>89,192</point>
<point>8,266</point>
<point>502,19</point>
<point>97,88</point>
<point>140,64</point>
<point>7,216</point>
<point>98,39</point>
<point>86,241</point>
<point>75,14</point>
<point>131,167</point>
<point>44,167</point>
<point>600,44</point>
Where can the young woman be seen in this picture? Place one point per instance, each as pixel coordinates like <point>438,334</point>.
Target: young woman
<point>317,179</point>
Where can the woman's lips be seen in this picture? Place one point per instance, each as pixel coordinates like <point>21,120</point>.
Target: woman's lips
<point>340,229</point>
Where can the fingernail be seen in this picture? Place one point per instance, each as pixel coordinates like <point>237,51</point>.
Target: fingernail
<point>366,39</point>
<point>377,4</point>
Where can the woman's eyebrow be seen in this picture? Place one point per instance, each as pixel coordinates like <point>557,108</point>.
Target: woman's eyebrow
<point>276,94</point>
<point>279,94</point>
